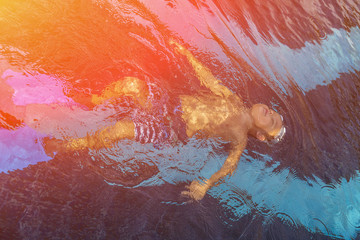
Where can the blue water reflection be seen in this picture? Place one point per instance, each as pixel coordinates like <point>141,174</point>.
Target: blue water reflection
<point>331,209</point>
<point>19,148</point>
<point>315,63</point>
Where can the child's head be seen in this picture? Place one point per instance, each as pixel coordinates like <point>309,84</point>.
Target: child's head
<point>267,124</point>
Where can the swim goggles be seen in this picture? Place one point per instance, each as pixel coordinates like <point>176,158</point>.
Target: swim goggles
<point>280,135</point>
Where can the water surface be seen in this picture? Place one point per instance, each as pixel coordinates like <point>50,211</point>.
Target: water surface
<point>302,58</point>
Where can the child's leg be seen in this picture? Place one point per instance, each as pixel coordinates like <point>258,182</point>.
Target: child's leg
<point>104,137</point>
<point>101,139</point>
<point>128,86</point>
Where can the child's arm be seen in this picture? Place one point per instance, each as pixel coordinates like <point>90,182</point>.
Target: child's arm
<point>204,74</point>
<point>198,190</point>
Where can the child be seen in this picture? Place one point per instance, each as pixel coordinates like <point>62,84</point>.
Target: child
<point>219,113</point>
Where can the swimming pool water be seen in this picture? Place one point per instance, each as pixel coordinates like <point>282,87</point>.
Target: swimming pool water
<point>302,58</point>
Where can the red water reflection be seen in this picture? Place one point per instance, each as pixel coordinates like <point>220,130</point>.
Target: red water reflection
<point>87,45</point>
<point>94,43</point>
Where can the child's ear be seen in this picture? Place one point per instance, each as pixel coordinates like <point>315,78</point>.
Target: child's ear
<point>260,136</point>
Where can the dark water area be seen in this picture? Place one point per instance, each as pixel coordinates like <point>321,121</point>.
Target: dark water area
<point>291,22</point>
<point>323,155</point>
<point>300,57</point>
<point>88,208</point>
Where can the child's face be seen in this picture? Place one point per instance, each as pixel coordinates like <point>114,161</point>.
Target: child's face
<point>266,119</point>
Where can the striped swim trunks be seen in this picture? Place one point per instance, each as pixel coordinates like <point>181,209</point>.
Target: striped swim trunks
<point>150,129</point>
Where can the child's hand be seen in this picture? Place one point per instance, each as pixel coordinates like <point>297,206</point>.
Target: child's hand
<point>196,190</point>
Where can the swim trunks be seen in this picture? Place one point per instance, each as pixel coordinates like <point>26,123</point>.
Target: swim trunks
<point>160,130</point>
